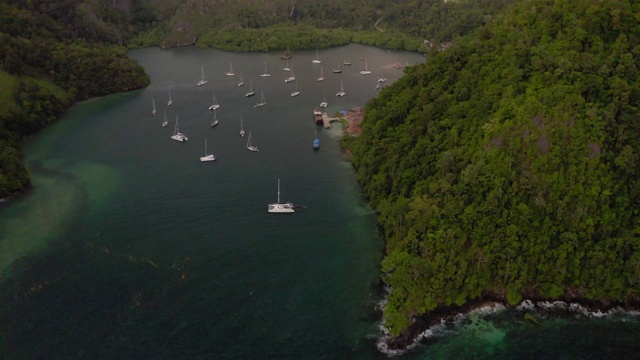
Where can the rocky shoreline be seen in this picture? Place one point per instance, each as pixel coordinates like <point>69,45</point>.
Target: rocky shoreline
<point>448,314</point>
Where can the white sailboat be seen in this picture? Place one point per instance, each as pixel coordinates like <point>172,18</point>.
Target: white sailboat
<point>170,102</point>
<point>202,79</point>
<point>366,68</point>
<point>324,103</point>
<point>165,122</point>
<point>230,72</point>
<point>241,127</point>
<point>215,104</point>
<point>206,157</point>
<point>341,92</point>
<point>291,78</point>
<point>250,92</point>
<point>317,59</point>
<point>262,102</point>
<point>265,73</point>
<point>177,135</point>
<point>337,69</point>
<point>296,92</point>
<point>279,207</point>
<point>382,79</point>
<point>249,146</point>
<point>153,111</point>
<point>321,78</point>
<point>214,122</point>
<point>347,62</point>
<point>287,68</point>
<point>241,82</point>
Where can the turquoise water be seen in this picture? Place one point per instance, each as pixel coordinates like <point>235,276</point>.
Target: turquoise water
<point>129,247</point>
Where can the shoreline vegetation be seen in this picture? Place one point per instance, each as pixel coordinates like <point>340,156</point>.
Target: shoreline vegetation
<point>504,168</point>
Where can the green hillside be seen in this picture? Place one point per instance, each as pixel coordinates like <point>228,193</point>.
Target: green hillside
<point>508,166</point>
<point>47,62</point>
<point>307,24</point>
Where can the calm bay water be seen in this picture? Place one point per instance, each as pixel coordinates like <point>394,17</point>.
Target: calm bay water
<point>129,247</point>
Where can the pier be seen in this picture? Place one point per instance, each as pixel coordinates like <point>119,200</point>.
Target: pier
<point>326,120</point>
<point>321,118</point>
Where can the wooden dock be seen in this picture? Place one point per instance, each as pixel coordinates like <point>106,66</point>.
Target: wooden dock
<point>326,120</point>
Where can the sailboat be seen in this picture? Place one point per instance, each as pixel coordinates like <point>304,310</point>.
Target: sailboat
<point>295,92</point>
<point>265,73</point>
<point>347,62</point>
<point>249,146</point>
<point>337,69</point>
<point>281,208</point>
<point>287,68</point>
<point>250,92</point>
<point>215,104</point>
<point>341,92</point>
<point>241,127</point>
<point>382,79</point>
<point>241,82</point>
<point>321,78</point>
<point>177,135</point>
<point>153,112</point>
<point>215,119</point>
<point>316,142</point>
<point>206,157</point>
<point>316,60</point>
<point>170,102</point>
<point>262,102</point>
<point>324,103</point>
<point>230,72</point>
<point>202,80</point>
<point>165,122</point>
<point>366,68</point>
<point>291,78</point>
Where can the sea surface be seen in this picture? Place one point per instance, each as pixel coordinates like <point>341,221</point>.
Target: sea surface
<point>128,247</point>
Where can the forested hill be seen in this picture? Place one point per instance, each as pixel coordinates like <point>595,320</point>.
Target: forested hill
<point>47,62</point>
<point>244,25</point>
<point>508,166</point>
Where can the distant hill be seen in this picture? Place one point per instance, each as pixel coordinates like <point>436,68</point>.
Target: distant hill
<point>258,25</point>
<point>508,166</point>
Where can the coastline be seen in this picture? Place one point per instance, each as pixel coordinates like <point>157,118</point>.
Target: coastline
<point>533,309</point>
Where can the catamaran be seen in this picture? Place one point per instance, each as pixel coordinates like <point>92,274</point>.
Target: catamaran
<point>279,207</point>
<point>341,92</point>
<point>202,80</point>
<point>366,68</point>
<point>324,103</point>
<point>177,135</point>
<point>209,157</point>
